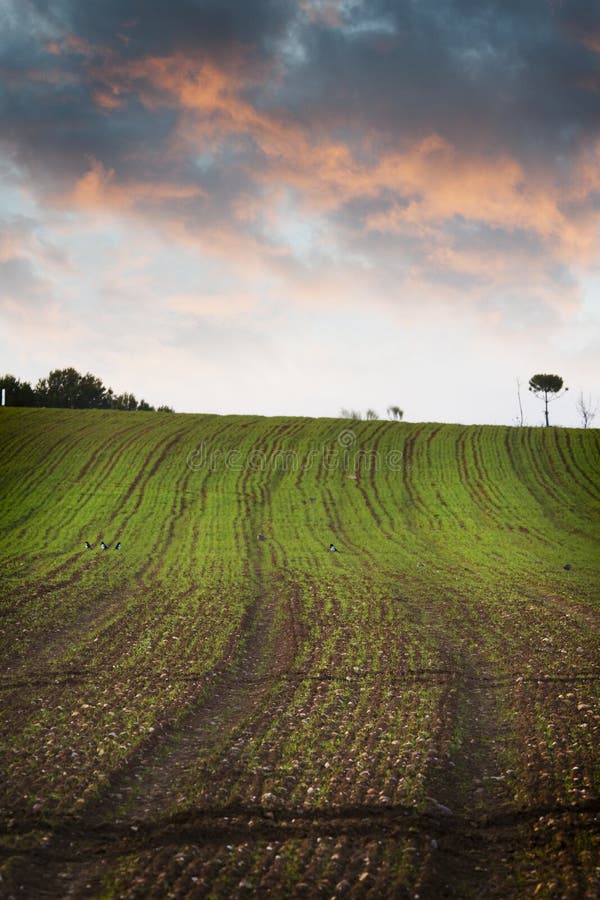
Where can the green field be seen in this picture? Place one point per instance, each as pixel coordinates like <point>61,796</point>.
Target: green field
<point>207,712</point>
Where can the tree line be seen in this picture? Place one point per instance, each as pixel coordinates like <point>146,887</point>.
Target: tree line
<point>68,389</point>
<point>394,412</point>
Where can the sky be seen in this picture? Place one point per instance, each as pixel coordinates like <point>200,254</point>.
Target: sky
<point>290,207</point>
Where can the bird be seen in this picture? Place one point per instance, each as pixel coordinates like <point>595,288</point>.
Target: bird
<point>260,536</point>
<point>333,548</point>
<point>88,546</point>
<point>439,807</point>
<point>118,545</point>
<point>568,567</point>
<point>103,545</point>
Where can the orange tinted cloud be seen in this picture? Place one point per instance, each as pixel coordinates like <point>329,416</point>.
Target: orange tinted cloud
<point>108,99</point>
<point>98,188</point>
<point>443,185</point>
<point>71,43</point>
<point>431,180</point>
<point>592,42</point>
<point>441,182</point>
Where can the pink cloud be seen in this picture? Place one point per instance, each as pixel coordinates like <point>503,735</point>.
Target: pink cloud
<point>72,43</point>
<point>98,188</point>
<point>434,183</point>
<point>592,42</point>
<point>441,182</point>
<point>108,99</point>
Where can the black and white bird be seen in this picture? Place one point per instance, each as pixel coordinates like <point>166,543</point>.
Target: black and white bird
<point>260,536</point>
<point>333,548</point>
<point>88,546</point>
<point>118,545</point>
<point>103,545</point>
<point>568,567</point>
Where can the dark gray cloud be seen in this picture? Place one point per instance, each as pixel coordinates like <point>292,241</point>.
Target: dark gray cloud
<point>51,55</point>
<point>138,28</point>
<point>495,73</point>
<point>494,78</point>
<point>488,74</point>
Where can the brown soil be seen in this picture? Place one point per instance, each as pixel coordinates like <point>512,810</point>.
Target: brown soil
<point>468,840</point>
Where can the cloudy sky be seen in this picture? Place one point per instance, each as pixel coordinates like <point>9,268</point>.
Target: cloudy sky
<point>293,206</point>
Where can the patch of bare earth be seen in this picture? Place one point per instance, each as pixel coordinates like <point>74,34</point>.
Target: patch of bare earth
<point>514,786</point>
<point>184,819</point>
<point>144,790</point>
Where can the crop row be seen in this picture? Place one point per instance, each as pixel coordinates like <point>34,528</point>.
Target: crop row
<point>441,666</point>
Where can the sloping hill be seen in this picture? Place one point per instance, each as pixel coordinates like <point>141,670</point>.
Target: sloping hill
<point>224,705</point>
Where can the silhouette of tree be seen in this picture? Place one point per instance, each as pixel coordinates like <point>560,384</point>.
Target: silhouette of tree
<point>124,401</point>
<point>67,389</point>
<point>18,393</point>
<point>542,386</point>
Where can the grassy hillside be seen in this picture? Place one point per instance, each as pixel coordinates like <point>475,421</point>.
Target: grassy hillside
<point>228,694</point>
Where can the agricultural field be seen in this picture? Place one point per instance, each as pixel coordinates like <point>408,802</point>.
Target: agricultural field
<point>224,707</point>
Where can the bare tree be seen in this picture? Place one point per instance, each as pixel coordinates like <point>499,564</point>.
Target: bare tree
<point>394,412</point>
<point>519,419</point>
<point>587,409</point>
<point>350,413</point>
<point>371,414</point>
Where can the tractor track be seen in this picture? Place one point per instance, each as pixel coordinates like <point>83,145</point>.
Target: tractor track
<point>247,821</point>
<point>300,763</point>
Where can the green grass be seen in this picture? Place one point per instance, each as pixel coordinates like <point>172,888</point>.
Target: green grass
<point>448,591</point>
